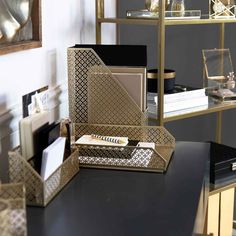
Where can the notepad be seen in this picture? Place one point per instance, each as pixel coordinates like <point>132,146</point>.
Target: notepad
<point>89,140</point>
<point>52,157</point>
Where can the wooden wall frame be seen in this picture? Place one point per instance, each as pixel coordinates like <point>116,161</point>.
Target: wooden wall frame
<point>36,41</point>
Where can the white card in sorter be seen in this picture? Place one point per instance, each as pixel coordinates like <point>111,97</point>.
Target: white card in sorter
<point>52,157</point>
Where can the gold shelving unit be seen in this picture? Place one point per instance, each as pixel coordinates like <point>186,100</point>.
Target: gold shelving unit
<point>160,25</point>
<point>146,21</point>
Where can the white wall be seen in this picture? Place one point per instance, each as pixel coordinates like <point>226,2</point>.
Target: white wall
<point>64,23</point>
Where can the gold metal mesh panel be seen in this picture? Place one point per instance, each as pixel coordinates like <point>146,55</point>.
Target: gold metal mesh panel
<point>127,157</point>
<point>159,135</point>
<point>39,192</point>
<point>95,96</point>
<point>79,62</point>
<point>16,214</point>
<point>4,218</point>
<point>118,158</point>
<point>21,171</point>
<point>108,102</point>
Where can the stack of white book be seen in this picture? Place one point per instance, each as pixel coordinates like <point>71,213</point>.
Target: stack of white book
<point>178,101</point>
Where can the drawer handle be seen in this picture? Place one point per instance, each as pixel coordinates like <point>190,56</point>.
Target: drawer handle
<point>234,166</point>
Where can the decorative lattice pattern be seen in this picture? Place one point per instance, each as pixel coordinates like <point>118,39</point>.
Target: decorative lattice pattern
<point>127,157</point>
<point>79,63</point>
<point>39,192</point>
<point>16,214</point>
<point>108,103</point>
<point>4,218</point>
<point>95,96</point>
<point>159,135</point>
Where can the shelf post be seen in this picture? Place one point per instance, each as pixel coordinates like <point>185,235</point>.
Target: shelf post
<point>99,15</point>
<point>117,25</point>
<point>218,126</point>
<point>161,62</point>
<point>222,35</point>
<point>219,114</point>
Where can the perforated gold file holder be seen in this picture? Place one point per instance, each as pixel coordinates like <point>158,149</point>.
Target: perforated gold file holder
<point>126,157</point>
<point>98,104</point>
<point>14,217</point>
<point>4,218</point>
<point>38,191</point>
<point>95,95</point>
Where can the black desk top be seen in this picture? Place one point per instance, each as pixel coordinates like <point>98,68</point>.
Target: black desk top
<point>119,203</point>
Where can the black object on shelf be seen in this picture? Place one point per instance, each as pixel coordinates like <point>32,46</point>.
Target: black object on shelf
<point>222,163</point>
<point>152,77</point>
<point>119,55</point>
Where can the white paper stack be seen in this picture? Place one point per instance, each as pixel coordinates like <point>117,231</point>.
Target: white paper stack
<point>52,157</point>
<point>178,101</point>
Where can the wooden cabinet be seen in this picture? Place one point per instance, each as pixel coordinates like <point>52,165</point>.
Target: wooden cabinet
<point>220,213</point>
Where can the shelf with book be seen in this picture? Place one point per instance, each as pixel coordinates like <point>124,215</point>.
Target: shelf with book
<point>178,100</point>
<point>153,21</point>
<point>194,111</point>
<point>190,103</point>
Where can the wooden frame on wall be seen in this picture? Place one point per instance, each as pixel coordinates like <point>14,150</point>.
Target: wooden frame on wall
<point>36,40</point>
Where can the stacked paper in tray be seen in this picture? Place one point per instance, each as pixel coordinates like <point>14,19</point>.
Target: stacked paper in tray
<point>178,101</point>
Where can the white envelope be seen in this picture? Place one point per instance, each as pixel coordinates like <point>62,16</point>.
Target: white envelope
<point>52,157</point>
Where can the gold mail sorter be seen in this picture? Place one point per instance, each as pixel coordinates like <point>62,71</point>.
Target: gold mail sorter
<point>40,192</point>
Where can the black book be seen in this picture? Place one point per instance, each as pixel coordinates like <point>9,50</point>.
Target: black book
<point>119,55</point>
